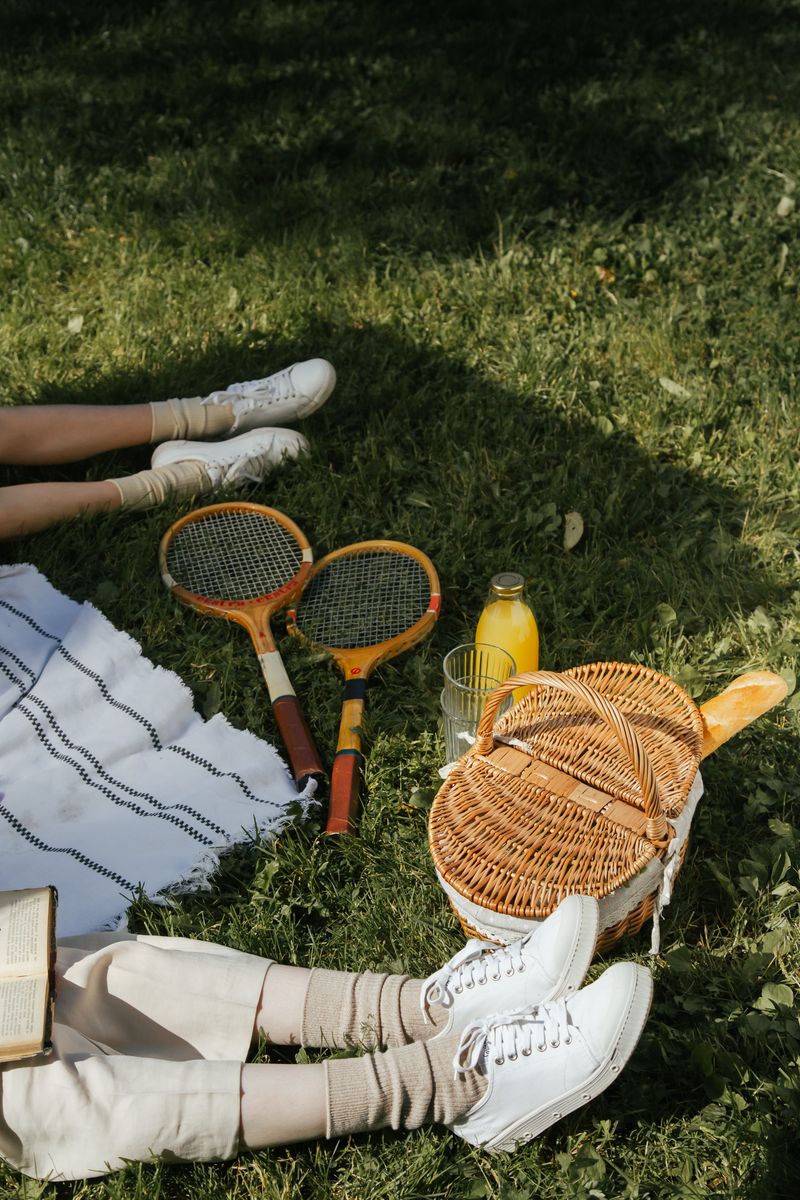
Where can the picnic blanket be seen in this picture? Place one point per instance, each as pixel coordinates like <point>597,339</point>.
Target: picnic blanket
<point>109,780</point>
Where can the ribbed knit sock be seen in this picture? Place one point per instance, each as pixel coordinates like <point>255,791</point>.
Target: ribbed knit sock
<point>148,488</point>
<point>347,1009</point>
<point>402,1088</point>
<point>180,419</point>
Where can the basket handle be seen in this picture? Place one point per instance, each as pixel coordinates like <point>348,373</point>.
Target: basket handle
<point>658,831</point>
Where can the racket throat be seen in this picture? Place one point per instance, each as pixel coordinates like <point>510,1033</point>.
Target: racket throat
<point>278,682</point>
<point>355,691</point>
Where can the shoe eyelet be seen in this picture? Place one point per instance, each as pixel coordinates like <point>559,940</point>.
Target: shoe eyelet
<point>526,1053</point>
<point>510,971</point>
<point>469,986</point>
<point>556,1116</point>
<point>521,969</point>
<point>567,1041</point>
<point>497,978</point>
<point>512,1058</point>
<point>499,1061</point>
<point>481,982</point>
<point>615,1068</point>
<point>587,1095</point>
<point>458,990</point>
<point>541,1048</point>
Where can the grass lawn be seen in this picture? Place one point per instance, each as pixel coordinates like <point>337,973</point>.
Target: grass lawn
<point>552,250</point>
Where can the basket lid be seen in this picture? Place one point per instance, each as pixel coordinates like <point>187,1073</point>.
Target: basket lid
<point>561,730</point>
<point>564,795</point>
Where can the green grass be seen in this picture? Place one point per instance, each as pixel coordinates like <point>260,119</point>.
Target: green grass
<point>542,246</point>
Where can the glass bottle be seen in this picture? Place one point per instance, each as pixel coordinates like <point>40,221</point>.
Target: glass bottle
<point>508,621</point>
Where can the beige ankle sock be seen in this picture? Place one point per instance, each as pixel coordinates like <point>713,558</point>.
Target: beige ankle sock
<point>148,488</point>
<point>346,1009</point>
<point>191,418</point>
<point>403,1088</point>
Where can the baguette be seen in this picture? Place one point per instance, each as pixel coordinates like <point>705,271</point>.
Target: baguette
<point>746,698</point>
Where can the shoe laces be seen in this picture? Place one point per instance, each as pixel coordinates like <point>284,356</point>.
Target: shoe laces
<point>236,470</point>
<point>511,1034</point>
<point>474,965</point>
<point>255,392</point>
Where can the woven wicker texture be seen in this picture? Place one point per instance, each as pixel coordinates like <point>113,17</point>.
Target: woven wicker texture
<point>599,759</point>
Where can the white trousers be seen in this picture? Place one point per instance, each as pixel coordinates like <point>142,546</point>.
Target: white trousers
<point>149,1039</point>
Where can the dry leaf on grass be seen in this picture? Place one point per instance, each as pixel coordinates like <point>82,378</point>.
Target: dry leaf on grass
<point>573,529</point>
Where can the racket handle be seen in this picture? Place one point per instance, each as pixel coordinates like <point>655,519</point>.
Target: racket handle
<point>345,792</point>
<point>346,773</point>
<point>297,739</point>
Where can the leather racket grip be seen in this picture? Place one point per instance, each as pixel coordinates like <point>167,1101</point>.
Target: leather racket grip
<point>345,792</point>
<point>297,739</point>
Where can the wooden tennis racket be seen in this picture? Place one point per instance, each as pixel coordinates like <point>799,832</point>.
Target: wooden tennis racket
<point>244,562</point>
<point>363,605</point>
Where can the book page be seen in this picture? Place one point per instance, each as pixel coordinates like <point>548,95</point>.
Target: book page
<point>22,1003</point>
<point>24,932</point>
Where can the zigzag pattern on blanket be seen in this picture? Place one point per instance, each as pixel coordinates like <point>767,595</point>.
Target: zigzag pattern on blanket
<point>97,743</point>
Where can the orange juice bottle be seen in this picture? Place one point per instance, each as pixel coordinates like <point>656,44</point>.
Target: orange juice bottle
<point>507,621</point>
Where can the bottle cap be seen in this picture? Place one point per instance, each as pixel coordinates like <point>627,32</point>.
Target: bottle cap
<point>507,584</point>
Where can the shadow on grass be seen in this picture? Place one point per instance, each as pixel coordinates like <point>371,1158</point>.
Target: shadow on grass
<point>407,125</point>
<point>417,446</point>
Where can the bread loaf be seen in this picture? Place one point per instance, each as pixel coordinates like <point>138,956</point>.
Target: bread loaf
<point>746,698</point>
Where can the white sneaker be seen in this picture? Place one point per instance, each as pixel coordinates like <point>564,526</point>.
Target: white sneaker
<point>248,457</point>
<point>550,961</point>
<point>295,392</point>
<point>543,1063</point>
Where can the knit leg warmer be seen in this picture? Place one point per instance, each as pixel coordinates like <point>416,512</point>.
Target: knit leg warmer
<point>180,419</point>
<point>346,1009</point>
<point>402,1088</point>
<point>148,488</point>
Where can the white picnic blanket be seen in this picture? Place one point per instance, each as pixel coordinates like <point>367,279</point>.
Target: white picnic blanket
<point>109,780</point>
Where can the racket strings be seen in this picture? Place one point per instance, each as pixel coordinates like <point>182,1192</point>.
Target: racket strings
<point>364,599</point>
<point>233,555</point>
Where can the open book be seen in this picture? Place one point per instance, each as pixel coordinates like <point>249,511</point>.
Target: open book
<point>27,971</point>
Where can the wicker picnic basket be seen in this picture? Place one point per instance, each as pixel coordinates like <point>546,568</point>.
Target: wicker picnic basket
<point>586,785</point>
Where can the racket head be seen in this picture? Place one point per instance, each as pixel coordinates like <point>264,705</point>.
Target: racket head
<point>233,559</point>
<point>366,603</point>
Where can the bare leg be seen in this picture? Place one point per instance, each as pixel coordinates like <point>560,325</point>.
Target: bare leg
<point>283,1103</point>
<point>70,432</point>
<point>29,507</point>
<point>279,1016</point>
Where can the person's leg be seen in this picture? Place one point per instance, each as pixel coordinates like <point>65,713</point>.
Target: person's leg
<point>48,434</point>
<point>180,469</point>
<point>81,1112</point>
<point>40,435</point>
<point>343,1009</point>
<point>29,507</point>
<point>282,1104</point>
<point>501,1081</point>
<point>159,998</point>
<point>340,1009</point>
<point>402,1088</point>
<point>247,997</point>
<point>148,1049</point>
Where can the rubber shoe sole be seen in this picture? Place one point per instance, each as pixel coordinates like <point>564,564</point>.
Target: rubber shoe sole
<point>631,1024</point>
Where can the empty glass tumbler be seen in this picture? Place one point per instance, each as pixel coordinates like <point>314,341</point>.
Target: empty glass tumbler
<point>471,674</point>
